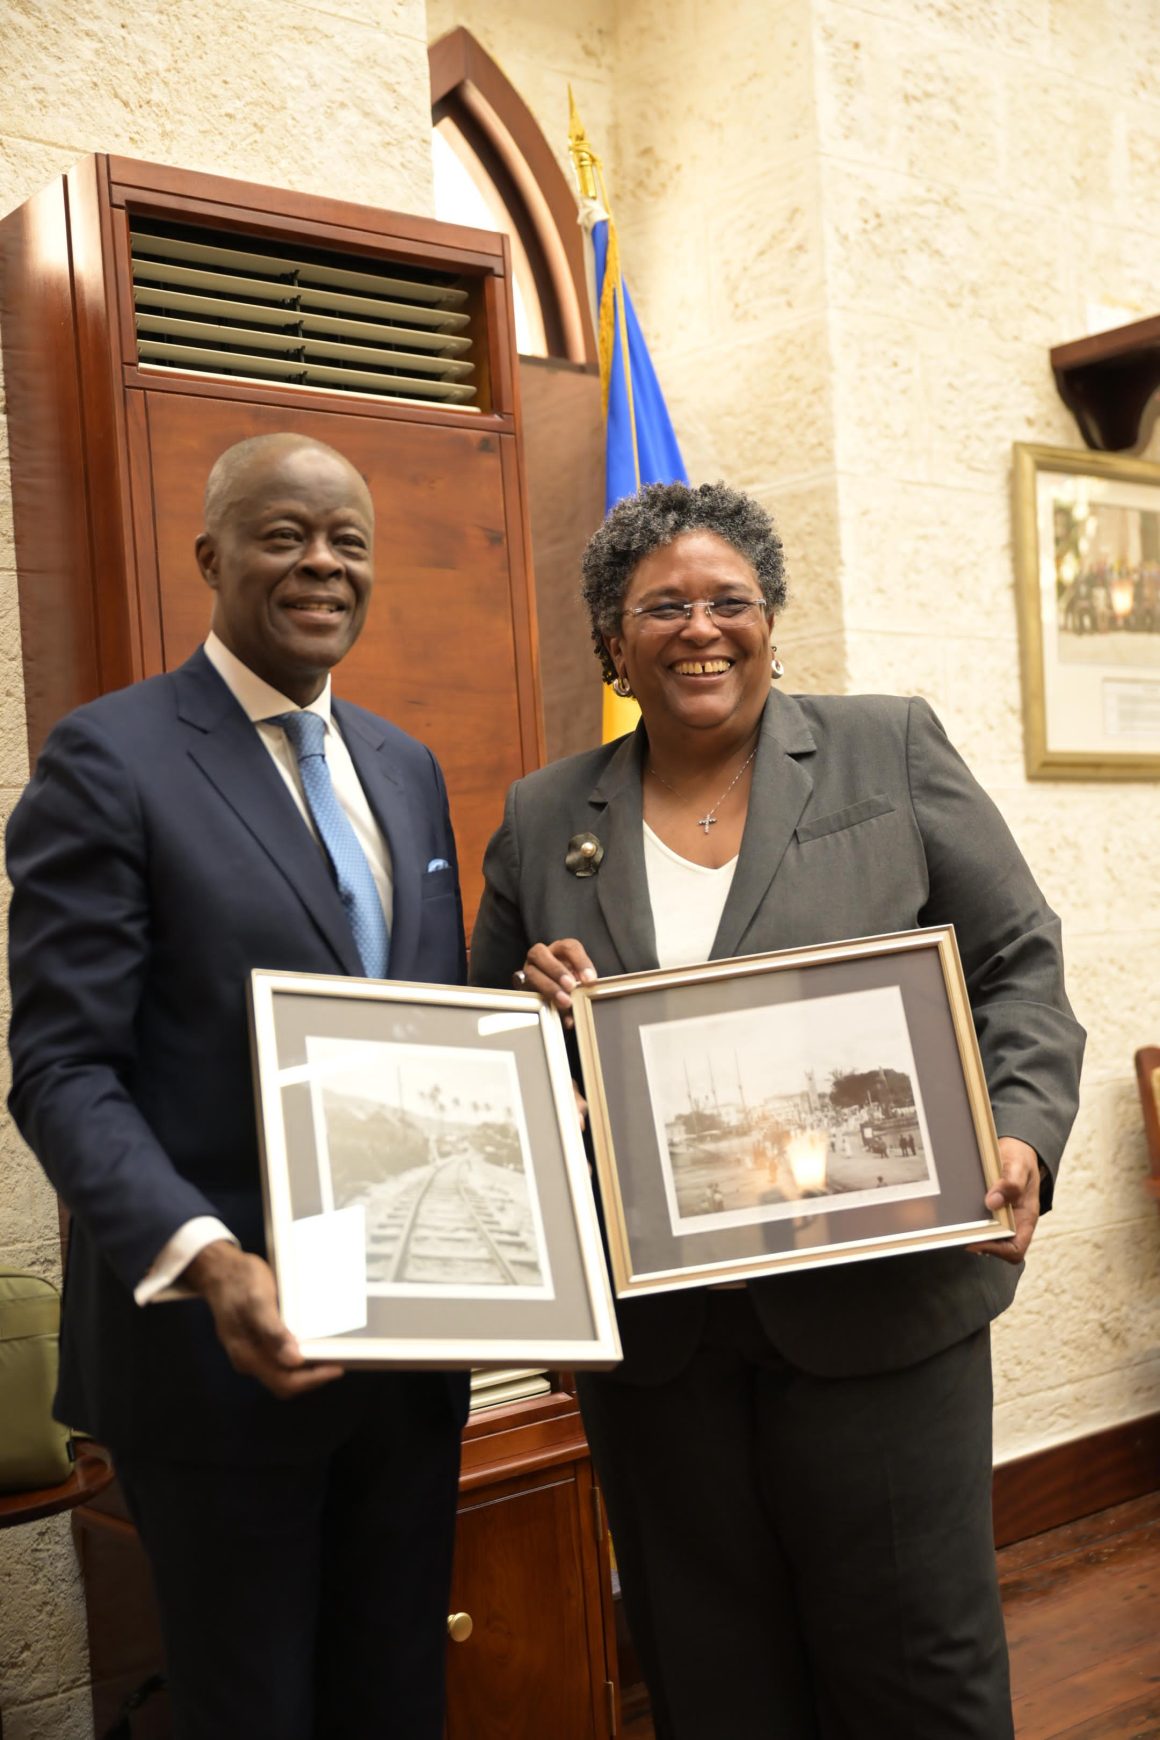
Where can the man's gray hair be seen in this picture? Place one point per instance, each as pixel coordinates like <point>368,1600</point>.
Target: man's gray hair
<point>228,473</point>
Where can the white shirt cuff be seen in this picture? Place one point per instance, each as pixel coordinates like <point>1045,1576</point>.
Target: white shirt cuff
<point>162,1282</point>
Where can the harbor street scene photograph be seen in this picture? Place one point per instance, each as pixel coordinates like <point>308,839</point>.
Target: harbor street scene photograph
<point>1107,563</point>
<point>430,1142</point>
<point>758,1112</point>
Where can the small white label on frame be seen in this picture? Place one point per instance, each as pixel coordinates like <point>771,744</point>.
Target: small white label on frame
<point>327,1294</point>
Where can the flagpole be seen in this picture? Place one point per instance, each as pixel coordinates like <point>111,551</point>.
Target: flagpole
<point>590,179</point>
<point>622,322</point>
<point>641,400</point>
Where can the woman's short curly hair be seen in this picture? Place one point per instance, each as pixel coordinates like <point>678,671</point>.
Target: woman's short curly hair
<point>655,516</point>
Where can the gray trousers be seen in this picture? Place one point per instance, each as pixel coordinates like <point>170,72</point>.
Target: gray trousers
<point>807,1558</point>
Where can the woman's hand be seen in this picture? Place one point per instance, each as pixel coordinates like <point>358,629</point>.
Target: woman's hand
<point>555,970</point>
<point>1019,1189</point>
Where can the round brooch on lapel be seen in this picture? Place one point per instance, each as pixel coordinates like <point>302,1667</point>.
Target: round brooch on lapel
<point>584,854</point>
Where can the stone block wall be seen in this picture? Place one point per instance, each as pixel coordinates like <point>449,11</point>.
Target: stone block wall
<point>330,99</point>
<point>719,201</point>
<point>704,117</point>
<point>985,184</point>
<point>853,229</point>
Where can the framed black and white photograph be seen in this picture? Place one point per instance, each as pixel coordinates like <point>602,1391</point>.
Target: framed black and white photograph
<point>427,1195</point>
<point>777,1111</point>
<point>1087,576</point>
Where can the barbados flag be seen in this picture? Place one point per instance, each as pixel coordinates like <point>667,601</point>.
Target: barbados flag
<point>640,446</point>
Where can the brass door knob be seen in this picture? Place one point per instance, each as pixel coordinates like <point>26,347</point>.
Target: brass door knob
<point>460,1627</point>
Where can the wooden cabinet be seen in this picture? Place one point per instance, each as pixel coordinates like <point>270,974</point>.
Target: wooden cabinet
<point>532,1573</point>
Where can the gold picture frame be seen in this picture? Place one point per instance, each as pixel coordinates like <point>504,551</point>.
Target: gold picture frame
<point>782,1111</point>
<point>427,1196</point>
<point>1087,575</point>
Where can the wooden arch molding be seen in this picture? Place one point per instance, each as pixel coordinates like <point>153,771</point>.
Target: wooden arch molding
<point>468,87</point>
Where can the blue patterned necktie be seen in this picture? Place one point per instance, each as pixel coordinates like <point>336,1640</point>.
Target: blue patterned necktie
<point>356,886</point>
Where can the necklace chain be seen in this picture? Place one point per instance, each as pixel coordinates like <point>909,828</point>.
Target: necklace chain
<point>709,819</point>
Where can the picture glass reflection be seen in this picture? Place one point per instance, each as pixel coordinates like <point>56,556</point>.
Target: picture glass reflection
<point>430,1142</point>
<point>760,1112</point>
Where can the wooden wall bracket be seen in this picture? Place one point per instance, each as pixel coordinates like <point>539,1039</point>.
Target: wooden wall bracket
<point>1111,384</point>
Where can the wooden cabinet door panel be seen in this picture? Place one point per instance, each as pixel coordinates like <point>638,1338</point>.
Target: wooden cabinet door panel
<point>522,1565</point>
<point>439,649</point>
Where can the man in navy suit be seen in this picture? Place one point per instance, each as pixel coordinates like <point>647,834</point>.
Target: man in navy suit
<point>299,1520</point>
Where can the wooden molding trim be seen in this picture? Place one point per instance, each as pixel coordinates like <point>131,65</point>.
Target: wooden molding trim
<point>1148,1081</point>
<point>469,86</point>
<point>1066,1481</point>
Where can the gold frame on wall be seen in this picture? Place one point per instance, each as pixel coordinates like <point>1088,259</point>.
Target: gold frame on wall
<point>637,1032</point>
<point>1070,693</point>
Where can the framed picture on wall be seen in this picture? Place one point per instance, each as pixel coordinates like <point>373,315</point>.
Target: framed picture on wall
<point>820,1105</point>
<point>1087,573</point>
<point>427,1196</point>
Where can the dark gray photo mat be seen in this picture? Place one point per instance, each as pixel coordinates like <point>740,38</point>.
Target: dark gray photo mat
<point>918,975</point>
<point>420,1314</point>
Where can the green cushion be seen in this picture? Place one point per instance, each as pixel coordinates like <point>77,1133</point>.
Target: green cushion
<point>34,1449</point>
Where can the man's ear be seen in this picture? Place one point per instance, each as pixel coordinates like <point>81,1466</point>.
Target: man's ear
<point>206,551</point>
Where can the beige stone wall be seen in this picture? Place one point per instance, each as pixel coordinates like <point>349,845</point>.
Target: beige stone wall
<point>717,172</point>
<point>988,173</point>
<point>705,119</point>
<point>329,98</point>
<point>852,231</point>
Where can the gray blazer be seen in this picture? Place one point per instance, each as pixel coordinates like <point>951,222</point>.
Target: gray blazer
<point>862,819</point>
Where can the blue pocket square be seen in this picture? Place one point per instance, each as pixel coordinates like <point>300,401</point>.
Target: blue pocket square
<point>438,864</point>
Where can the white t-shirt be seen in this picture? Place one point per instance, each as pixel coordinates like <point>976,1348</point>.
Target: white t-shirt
<point>687,901</point>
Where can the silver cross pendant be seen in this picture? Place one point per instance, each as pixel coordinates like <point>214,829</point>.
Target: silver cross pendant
<point>706,822</point>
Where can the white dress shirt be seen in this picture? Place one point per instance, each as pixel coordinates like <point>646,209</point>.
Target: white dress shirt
<point>687,901</point>
<point>262,703</point>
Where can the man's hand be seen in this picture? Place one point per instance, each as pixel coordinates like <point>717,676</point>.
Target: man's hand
<point>1019,1188</point>
<point>240,1291</point>
<point>554,970</point>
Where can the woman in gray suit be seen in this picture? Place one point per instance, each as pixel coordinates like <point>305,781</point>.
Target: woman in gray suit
<point>797,1471</point>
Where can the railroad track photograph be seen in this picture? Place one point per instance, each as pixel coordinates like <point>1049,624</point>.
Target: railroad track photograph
<point>430,1143</point>
<point>759,1112</point>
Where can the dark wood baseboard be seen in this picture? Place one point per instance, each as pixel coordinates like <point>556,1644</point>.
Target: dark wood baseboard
<point>1067,1481</point>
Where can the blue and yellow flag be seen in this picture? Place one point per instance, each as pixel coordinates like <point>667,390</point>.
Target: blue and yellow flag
<point>640,446</point>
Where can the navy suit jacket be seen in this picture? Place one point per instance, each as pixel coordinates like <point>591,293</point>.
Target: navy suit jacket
<point>156,857</point>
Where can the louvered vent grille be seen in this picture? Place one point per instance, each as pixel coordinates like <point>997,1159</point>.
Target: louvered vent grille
<point>213,303</point>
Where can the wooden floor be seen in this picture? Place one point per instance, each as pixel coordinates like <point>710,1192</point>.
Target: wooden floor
<point>1083,1622</point>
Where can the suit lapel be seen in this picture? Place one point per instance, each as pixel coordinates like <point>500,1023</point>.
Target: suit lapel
<point>622,882</point>
<point>778,795</point>
<point>232,756</point>
<point>392,811</point>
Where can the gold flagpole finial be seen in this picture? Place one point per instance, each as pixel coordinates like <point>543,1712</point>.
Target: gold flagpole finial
<point>584,159</point>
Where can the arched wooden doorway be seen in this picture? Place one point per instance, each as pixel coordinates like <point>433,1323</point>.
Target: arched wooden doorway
<point>523,192</point>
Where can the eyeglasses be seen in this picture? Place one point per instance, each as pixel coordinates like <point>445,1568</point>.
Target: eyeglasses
<point>675,610</point>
